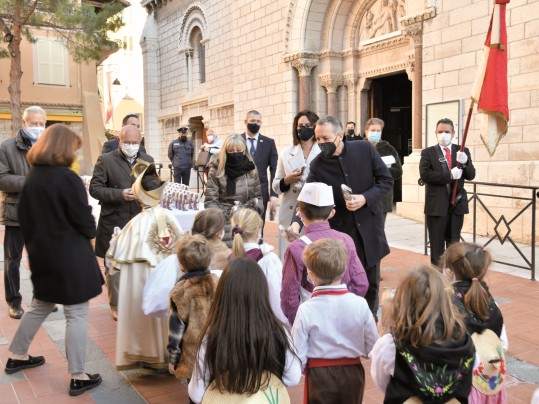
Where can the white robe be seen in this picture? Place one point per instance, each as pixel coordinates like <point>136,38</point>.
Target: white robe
<point>134,252</point>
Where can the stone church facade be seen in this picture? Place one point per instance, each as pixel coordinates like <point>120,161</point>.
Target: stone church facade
<point>408,62</point>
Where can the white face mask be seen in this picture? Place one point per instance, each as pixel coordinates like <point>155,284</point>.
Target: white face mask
<point>130,150</point>
<point>210,139</point>
<point>222,235</point>
<point>444,138</point>
<point>34,132</point>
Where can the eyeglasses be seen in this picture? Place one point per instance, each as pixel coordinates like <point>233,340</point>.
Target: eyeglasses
<point>300,127</point>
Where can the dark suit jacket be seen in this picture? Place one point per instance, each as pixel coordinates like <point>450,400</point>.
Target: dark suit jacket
<point>112,174</point>
<point>57,225</point>
<point>113,145</point>
<point>265,156</point>
<point>362,169</point>
<point>436,175</point>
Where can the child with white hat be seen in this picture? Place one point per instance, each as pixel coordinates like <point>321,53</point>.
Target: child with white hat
<point>315,207</point>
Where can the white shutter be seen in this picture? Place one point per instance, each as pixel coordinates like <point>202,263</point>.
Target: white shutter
<point>51,62</point>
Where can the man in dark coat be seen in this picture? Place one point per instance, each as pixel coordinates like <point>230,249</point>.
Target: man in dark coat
<point>111,186</point>
<point>13,170</point>
<point>438,170</point>
<point>359,166</point>
<point>129,119</point>
<point>264,153</point>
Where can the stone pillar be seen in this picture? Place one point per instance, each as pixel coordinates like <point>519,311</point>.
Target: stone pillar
<point>152,88</point>
<point>189,62</point>
<point>415,32</point>
<point>331,83</point>
<point>304,67</point>
<point>350,81</point>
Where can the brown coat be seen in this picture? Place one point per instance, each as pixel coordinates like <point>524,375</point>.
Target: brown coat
<point>192,298</point>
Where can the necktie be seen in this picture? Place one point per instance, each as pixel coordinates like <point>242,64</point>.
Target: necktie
<point>448,157</point>
<point>252,150</point>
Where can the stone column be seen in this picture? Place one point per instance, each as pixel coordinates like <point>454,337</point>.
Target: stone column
<point>189,62</point>
<point>350,81</point>
<point>415,33</point>
<point>304,67</point>
<point>331,83</point>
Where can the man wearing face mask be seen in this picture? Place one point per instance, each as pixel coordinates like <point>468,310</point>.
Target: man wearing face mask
<point>180,154</point>
<point>13,169</point>
<point>359,166</point>
<point>111,185</point>
<point>438,170</point>
<point>351,132</point>
<point>213,143</point>
<point>373,130</point>
<point>129,119</point>
<point>264,154</point>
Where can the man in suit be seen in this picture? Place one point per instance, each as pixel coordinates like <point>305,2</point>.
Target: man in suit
<point>351,133</point>
<point>264,154</point>
<point>438,170</point>
<point>359,166</point>
<point>111,186</point>
<point>129,119</point>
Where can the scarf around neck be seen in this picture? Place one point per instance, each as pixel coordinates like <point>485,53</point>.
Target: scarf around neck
<point>235,169</point>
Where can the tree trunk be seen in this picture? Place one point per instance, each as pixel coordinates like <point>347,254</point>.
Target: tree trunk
<point>15,72</point>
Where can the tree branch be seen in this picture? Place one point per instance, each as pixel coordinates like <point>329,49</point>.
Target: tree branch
<point>5,28</point>
<point>30,12</point>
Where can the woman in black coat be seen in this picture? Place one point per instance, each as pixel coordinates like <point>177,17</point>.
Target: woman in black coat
<point>57,226</point>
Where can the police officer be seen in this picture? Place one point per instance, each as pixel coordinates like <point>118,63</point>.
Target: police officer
<point>180,154</point>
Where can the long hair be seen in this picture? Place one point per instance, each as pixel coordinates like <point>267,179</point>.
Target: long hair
<point>209,222</point>
<point>311,116</point>
<point>244,339</point>
<point>55,147</point>
<point>246,224</point>
<point>470,262</point>
<point>422,311</point>
<point>235,140</point>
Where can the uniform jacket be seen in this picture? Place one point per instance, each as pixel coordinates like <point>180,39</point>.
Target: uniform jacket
<point>247,188</point>
<point>112,174</point>
<point>13,169</point>
<point>290,160</point>
<point>436,175</point>
<point>180,153</point>
<point>57,225</point>
<point>266,156</point>
<point>385,149</point>
<point>361,168</point>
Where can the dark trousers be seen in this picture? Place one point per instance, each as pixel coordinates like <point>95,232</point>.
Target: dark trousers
<point>182,175</point>
<point>373,276</point>
<point>443,230</point>
<point>13,246</point>
<point>336,385</point>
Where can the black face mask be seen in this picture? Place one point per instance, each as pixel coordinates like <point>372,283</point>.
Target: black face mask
<point>235,158</point>
<point>351,132</point>
<point>328,148</point>
<point>306,134</point>
<point>253,127</point>
<point>183,138</point>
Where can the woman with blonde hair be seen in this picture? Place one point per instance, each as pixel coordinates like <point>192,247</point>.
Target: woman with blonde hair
<point>57,226</point>
<point>233,180</point>
<point>246,242</point>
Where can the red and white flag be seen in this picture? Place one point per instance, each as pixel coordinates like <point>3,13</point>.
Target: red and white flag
<point>490,87</point>
<point>107,97</point>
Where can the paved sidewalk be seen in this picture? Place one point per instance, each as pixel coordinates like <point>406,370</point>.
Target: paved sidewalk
<point>514,292</point>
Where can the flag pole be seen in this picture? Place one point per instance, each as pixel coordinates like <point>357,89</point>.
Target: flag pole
<point>462,144</point>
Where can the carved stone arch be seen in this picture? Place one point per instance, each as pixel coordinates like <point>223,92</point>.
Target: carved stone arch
<point>363,8</point>
<point>193,17</point>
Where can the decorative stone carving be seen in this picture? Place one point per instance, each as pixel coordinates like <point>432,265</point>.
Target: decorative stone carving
<point>382,18</point>
<point>415,32</point>
<point>350,80</point>
<point>189,52</point>
<point>331,81</point>
<point>304,66</point>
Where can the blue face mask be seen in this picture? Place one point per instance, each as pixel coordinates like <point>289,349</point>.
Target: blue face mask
<point>374,136</point>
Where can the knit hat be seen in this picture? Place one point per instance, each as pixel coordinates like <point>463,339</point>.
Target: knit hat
<point>317,194</point>
<point>147,197</point>
<point>489,376</point>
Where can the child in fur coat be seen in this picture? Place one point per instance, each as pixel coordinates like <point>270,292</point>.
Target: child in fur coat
<point>190,302</point>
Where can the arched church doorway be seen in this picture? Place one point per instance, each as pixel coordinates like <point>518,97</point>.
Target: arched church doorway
<point>390,98</point>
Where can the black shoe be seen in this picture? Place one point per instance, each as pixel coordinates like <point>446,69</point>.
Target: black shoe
<point>16,312</point>
<point>15,365</point>
<point>77,387</point>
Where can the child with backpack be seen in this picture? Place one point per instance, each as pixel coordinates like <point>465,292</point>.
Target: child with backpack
<point>427,354</point>
<point>465,265</point>
<point>315,207</point>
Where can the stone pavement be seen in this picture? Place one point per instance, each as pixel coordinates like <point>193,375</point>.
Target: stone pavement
<point>514,292</point>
